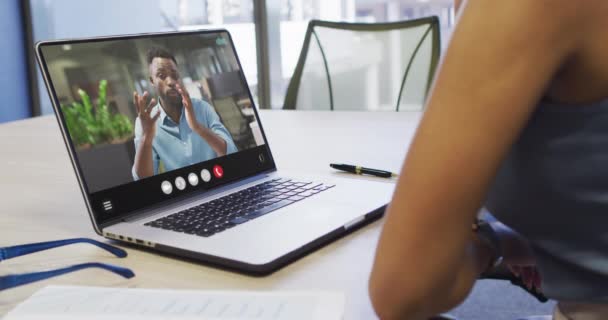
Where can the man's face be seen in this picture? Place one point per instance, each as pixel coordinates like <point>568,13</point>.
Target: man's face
<point>164,76</point>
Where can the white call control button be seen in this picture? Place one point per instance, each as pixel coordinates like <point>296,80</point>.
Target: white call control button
<point>180,183</point>
<point>166,187</point>
<point>206,175</point>
<point>193,179</point>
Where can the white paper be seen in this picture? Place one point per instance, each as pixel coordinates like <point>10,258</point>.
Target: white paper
<point>67,303</point>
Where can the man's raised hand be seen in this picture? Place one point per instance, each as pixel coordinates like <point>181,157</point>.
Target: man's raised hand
<point>188,109</point>
<point>144,110</point>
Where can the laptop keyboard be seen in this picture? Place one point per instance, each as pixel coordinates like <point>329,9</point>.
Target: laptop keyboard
<point>226,212</point>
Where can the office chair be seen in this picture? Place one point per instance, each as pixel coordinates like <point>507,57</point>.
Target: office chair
<point>365,66</point>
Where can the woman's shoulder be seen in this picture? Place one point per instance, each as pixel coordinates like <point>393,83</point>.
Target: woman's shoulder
<point>584,76</point>
<point>545,14</point>
<point>572,30</point>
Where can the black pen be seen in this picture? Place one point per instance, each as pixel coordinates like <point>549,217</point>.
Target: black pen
<point>362,170</point>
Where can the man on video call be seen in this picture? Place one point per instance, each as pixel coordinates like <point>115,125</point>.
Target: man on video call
<point>176,131</point>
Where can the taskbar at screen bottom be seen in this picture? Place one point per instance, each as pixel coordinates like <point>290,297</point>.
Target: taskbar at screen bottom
<point>117,202</point>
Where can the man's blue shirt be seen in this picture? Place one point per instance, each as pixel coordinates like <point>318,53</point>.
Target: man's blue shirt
<point>176,145</point>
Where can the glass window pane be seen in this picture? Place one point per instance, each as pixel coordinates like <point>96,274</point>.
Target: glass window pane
<point>236,16</point>
<point>295,15</point>
<point>61,19</point>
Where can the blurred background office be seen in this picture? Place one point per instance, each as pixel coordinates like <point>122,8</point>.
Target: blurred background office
<point>265,31</point>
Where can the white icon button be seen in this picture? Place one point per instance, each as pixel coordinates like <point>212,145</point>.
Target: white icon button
<point>166,187</point>
<point>180,183</point>
<point>193,179</point>
<point>107,205</point>
<point>206,175</point>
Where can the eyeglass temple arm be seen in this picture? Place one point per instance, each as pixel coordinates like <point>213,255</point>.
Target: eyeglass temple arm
<point>16,251</point>
<point>11,281</point>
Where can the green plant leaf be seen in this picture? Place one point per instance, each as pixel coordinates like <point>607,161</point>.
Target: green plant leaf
<point>88,124</point>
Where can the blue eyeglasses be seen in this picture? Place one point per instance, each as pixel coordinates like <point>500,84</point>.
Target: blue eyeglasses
<point>14,280</point>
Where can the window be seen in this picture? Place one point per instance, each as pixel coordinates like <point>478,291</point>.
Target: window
<point>236,16</point>
<point>295,15</point>
<point>61,19</point>
<point>286,20</point>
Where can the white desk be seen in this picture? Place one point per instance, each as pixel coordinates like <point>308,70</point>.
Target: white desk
<point>41,201</point>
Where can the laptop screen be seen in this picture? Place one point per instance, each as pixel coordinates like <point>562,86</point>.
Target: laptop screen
<point>155,117</point>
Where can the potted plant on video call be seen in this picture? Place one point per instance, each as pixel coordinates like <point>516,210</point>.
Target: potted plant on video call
<point>91,126</point>
<point>99,132</point>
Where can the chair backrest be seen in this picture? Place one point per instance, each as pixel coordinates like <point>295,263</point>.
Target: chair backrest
<point>365,66</point>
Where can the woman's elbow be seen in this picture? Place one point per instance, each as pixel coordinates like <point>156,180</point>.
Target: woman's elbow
<point>393,302</point>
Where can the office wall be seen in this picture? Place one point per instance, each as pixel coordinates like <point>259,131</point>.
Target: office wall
<point>13,64</point>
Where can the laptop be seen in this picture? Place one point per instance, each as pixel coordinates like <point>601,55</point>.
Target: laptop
<point>171,155</point>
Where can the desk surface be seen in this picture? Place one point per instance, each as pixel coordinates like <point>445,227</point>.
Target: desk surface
<point>41,201</point>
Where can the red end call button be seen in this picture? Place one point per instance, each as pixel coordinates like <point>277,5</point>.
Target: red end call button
<point>218,172</point>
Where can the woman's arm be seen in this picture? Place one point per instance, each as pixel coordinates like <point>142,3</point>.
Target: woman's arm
<point>502,57</point>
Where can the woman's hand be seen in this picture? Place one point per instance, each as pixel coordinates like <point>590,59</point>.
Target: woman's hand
<point>518,256</point>
<point>516,248</point>
<point>529,275</point>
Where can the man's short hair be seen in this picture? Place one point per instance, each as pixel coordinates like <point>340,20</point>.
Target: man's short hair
<point>157,52</point>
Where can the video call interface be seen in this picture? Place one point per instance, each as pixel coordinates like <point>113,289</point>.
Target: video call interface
<point>137,108</point>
